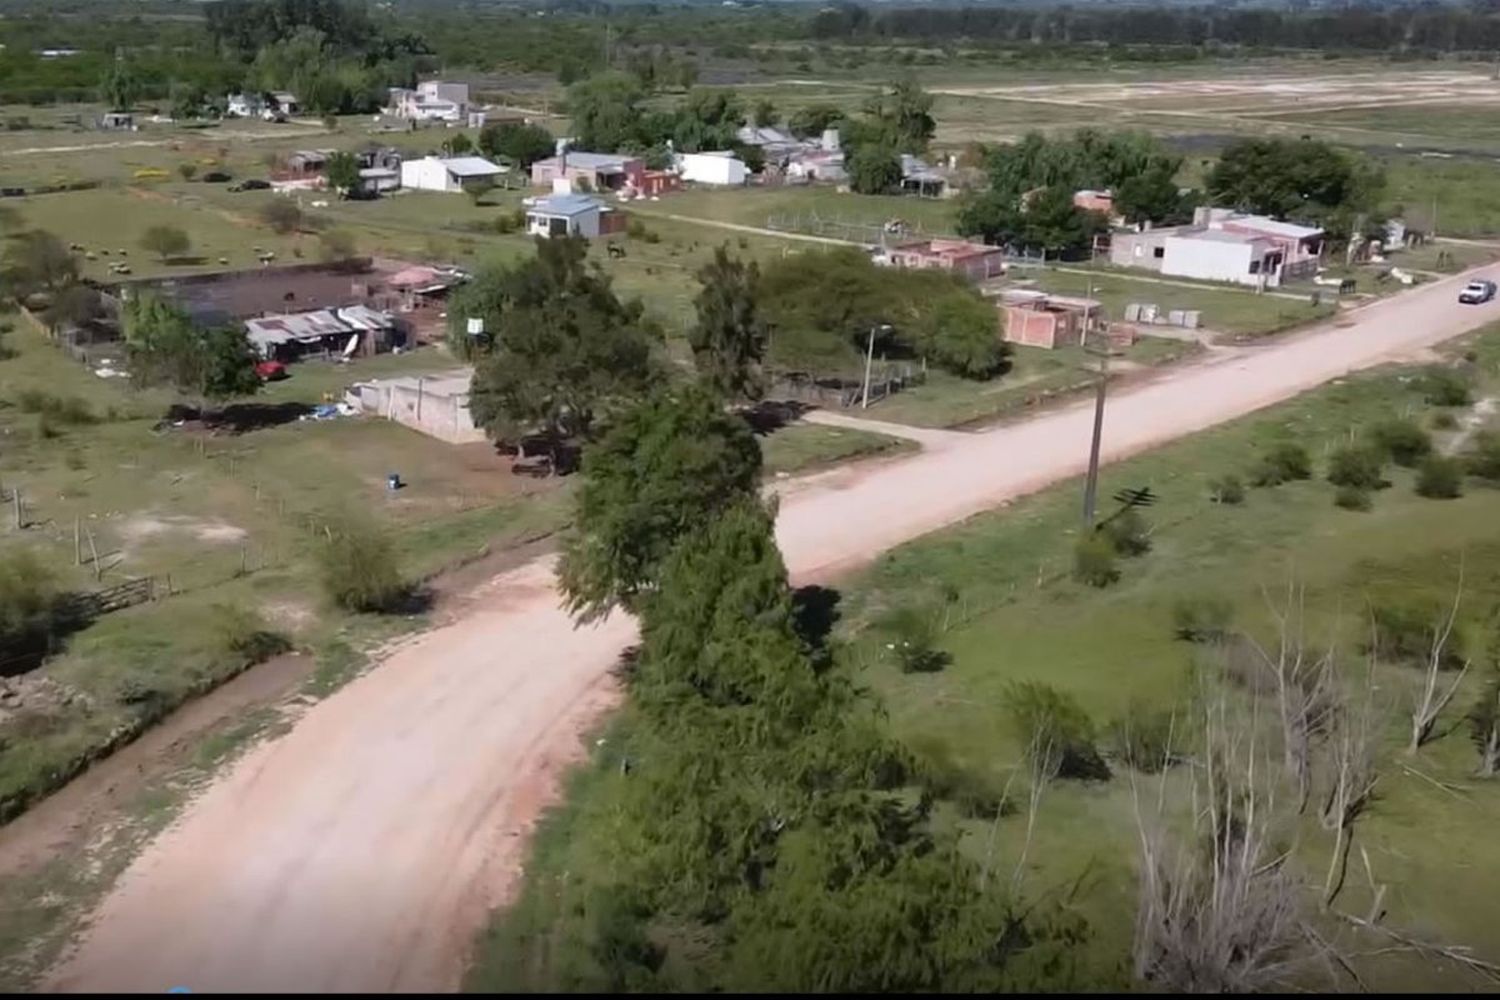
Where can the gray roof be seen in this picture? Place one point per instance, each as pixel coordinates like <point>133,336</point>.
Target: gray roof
<point>567,204</point>
<point>593,161</point>
<point>471,166</point>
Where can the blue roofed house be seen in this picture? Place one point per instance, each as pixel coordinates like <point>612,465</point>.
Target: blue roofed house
<point>569,215</point>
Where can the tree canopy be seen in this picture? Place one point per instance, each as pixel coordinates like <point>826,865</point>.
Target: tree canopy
<point>757,839</point>
<point>606,110</point>
<point>729,339</point>
<point>820,307</point>
<point>564,348</point>
<point>874,169</point>
<point>342,172</point>
<point>165,241</point>
<point>664,467</point>
<point>37,261</point>
<point>166,348</point>
<point>1300,179</point>
<point>518,143</point>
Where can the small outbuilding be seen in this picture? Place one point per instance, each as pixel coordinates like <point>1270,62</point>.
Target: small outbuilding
<point>449,174</point>
<point>570,215</point>
<point>722,169</point>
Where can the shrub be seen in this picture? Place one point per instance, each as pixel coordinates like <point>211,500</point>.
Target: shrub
<point>1357,466</point>
<point>1128,533</point>
<point>1444,387</point>
<point>913,642</point>
<point>1094,560</point>
<point>1202,617</point>
<point>973,790</point>
<point>1440,478</point>
<point>57,409</point>
<point>1286,462</point>
<point>28,604</point>
<point>1226,490</point>
<point>1352,498</point>
<point>1146,738</point>
<point>1403,441</point>
<point>1404,631</point>
<point>1443,420</point>
<point>243,633</point>
<point>1483,457</point>
<point>359,570</point>
<point>1057,733</point>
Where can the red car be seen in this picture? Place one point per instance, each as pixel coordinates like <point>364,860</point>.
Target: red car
<point>271,371</point>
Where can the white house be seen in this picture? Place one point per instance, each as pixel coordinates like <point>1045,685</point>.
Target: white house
<point>432,101</point>
<point>244,106</point>
<point>457,173</point>
<point>720,168</point>
<point>564,215</point>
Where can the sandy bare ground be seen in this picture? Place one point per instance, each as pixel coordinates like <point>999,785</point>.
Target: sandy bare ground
<point>362,850</point>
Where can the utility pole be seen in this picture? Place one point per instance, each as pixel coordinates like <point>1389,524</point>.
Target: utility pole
<point>1091,484</point>
<point>869,360</point>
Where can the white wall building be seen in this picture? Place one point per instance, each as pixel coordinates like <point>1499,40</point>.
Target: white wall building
<point>450,174</point>
<point>564,215</point>
<point>432,100</point>
<point>722,168</point>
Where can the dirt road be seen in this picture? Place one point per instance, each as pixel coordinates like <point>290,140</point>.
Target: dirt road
<point>362,850</point>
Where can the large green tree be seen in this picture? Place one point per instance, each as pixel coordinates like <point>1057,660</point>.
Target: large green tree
<point>166,241</point>
<point>905,115</point>
<point>518,143</point>
<point>342,173</point>
<point>37,262</point>
<point>121,87</point>
<point>664,467</point>
<point>606,111</point>
<point>729,339</point>
<point>1302,179</point>
<point>874,169</point>
<point>565,348</point>
<point>821,307</point>
<point>166,348</point>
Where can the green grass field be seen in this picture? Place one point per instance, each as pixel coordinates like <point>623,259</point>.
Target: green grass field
<point>1021,617</point>
<point>1036,377</point>
<point>1239,312</point>
<point>800,447</point>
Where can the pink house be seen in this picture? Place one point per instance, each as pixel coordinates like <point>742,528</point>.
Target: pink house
<point>975,261</point>
<point>1036,319</point>
<point>1095,201</point>
<point>591,171</point>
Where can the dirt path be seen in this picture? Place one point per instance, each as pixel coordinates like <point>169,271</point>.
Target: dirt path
<point>927,437</point>
<point>736,227</point>
<point>363,849</point>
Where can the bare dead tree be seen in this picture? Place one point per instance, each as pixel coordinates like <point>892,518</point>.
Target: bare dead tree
<point>1353,747</point>
<point>1305,690</point>
<point>1484,722</point>
<point>1219,910</point>
<point>1431,702</point>
<point>1045,765</point>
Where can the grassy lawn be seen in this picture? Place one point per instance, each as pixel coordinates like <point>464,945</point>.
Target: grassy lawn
<point>1240,312</point>
<point>215,233</point>
<point>799,447</point>
<point>1438,122</point>
<point>1036,376</point>
<point>759,207</point>
<point>1016,615</point>
<point>1464,192</point>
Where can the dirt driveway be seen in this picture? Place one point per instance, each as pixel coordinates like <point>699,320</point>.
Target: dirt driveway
<point>362,850</point>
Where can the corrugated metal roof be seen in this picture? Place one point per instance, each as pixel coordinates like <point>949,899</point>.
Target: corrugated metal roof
<point>295,326</point>
<point>1266,224</point>
<point>470,166</point>
<point>592,161</point>
<point>567,204</point>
